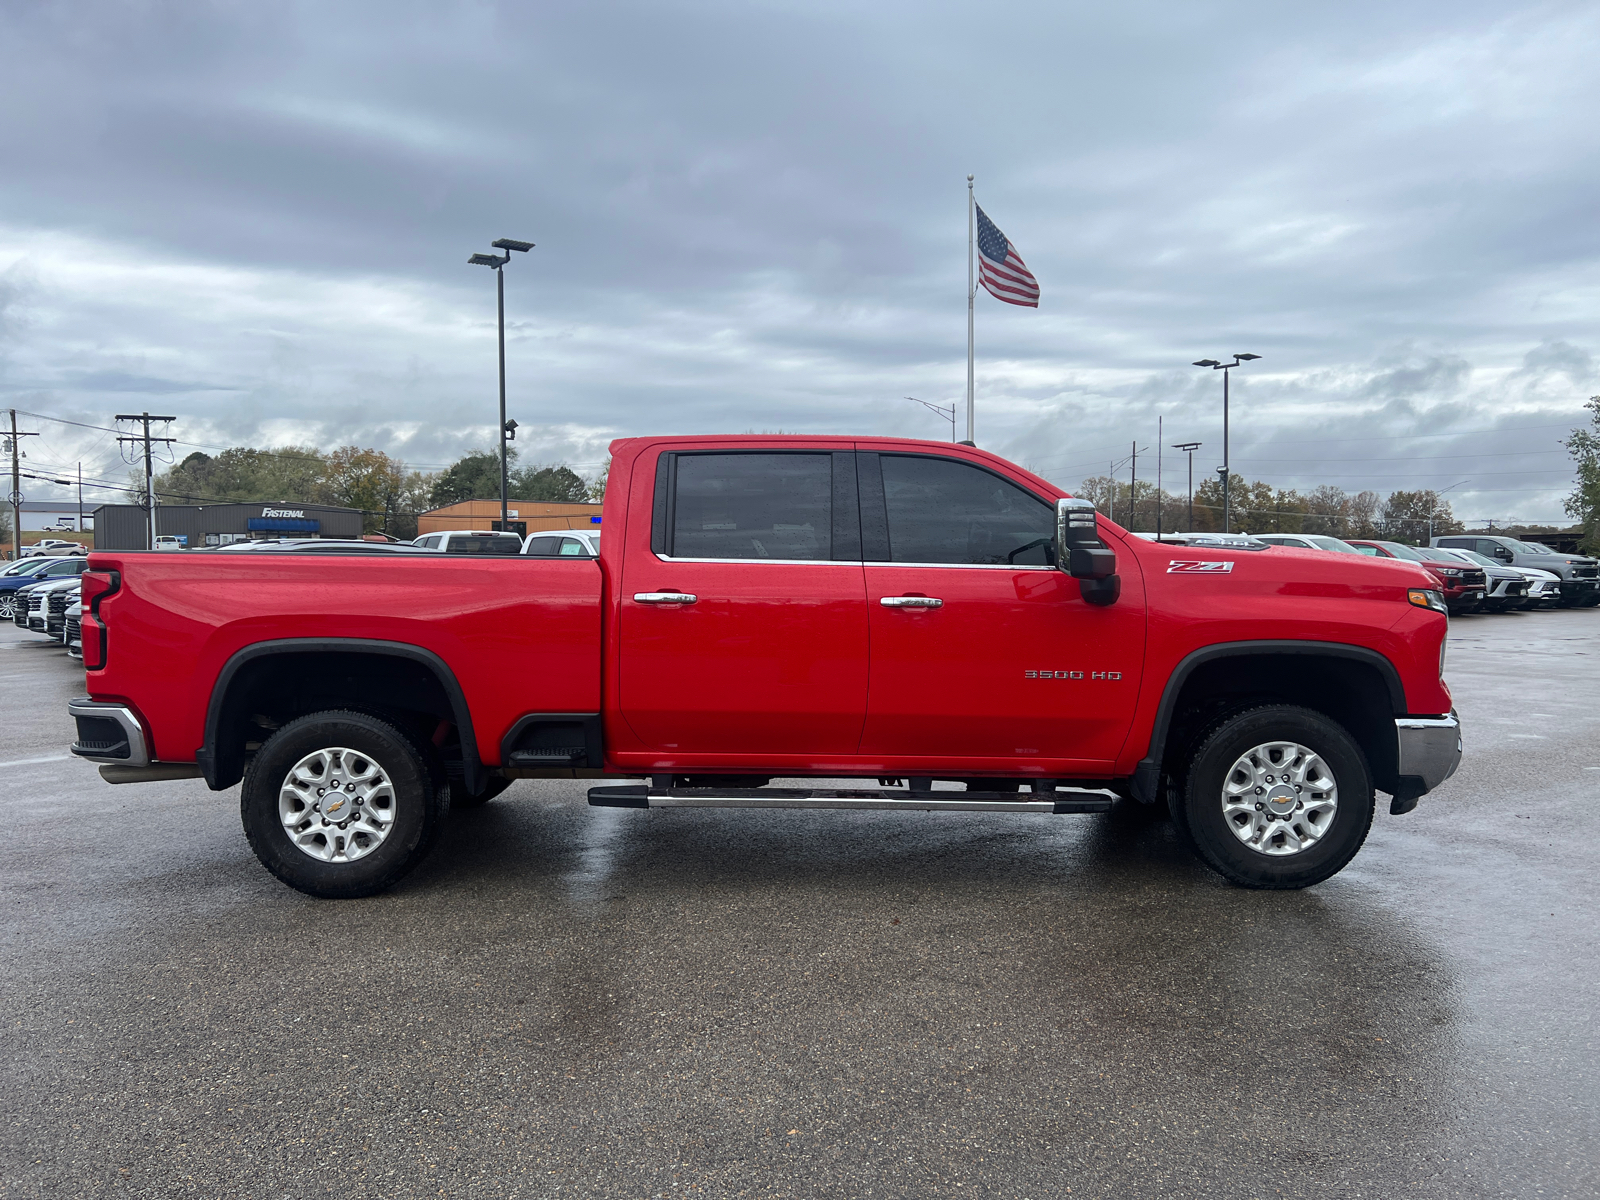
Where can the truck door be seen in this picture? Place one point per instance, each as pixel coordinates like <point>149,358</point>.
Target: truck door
<point>981,649</point>
<point>743,625</point>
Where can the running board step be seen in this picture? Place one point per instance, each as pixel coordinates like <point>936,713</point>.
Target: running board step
<point>642,796</point>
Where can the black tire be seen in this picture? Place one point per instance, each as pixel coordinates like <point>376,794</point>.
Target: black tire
<point>418,805</point>
<point>492,788</point>
<point>1209,827</point>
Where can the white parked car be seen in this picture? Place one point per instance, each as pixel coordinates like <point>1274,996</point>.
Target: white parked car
<point>471,541</point>
<point>52,546</point>
<point>563,543</point>
<point>1306,541</point>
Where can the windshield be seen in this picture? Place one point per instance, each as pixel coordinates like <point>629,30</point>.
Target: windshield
<point>1536,547</point>
<point>1437,554</point>
<point>1325,542</point>
<point>1474,556</point>
<point>23,566</point>
<point>1405,552</point>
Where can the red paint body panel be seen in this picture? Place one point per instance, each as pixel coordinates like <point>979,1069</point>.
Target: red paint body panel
<point>778,668</point>
<point>515,631</point>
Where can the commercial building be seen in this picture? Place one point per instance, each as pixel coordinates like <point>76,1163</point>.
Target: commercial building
<point>39,516</point>
<point>523,516</point>
<point>123,526</point>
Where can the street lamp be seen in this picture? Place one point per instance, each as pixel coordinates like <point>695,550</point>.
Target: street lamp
<point>949,414</point>
<point>1189,448</point>
<point>1225,368</point>
<point>1433,507</point>
<point>498,261</point>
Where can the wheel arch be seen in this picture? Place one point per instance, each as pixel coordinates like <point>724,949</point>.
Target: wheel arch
<point>1354,685</point>
<point>422,680</point>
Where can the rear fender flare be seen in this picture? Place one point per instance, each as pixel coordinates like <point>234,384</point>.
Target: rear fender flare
<point>206,757</point>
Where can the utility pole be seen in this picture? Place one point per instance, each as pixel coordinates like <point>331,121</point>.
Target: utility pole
<point>1159,423</point>
<point>149,468</point>
<point>80,498</point>
<point>16,488</point>
<point>1133,487</point>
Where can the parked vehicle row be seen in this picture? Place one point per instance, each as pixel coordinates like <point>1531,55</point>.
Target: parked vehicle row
<point>50,606</point>
<point>1477,573</point>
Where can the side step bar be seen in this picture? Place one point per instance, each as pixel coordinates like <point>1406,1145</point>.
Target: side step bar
<point>646,796</point>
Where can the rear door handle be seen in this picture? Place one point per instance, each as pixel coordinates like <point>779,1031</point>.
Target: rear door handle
<point>664,598</point>
<point>911,602</point>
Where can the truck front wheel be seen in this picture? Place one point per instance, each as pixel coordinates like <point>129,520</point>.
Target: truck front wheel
<point>340,804</point>
<point>1278,797</point>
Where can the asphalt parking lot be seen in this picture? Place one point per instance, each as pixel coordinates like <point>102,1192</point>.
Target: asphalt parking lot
<point>568,1001</point>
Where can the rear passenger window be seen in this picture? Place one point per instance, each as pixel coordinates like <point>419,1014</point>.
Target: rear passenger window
<point>490,544</point>
<point>544,545</point>
<point>943,511</point>
<point>753,506</point>
<point>572,547</point>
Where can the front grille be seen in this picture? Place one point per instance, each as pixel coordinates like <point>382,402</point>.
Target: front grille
<point>1517,589</point>
<point>58,602</point>
<point>1585,572</point>
<point>74,629</point>
<point>1473,579</point>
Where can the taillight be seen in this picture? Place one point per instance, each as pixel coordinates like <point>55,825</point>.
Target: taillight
<point>97,585</point>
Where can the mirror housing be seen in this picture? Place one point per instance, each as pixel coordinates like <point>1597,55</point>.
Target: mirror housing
<point>1081,553</point>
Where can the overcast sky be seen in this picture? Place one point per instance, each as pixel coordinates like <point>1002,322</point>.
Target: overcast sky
<point>752,216</point>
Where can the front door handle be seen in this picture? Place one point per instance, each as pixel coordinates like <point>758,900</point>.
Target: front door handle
<point>664,598</point>
<point>911,602</point>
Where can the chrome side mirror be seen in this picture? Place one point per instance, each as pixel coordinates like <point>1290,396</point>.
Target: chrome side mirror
<point>1081,553</point>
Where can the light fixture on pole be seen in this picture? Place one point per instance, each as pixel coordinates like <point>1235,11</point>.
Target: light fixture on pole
<point>498,261</point>
<point>1238,359</point>
<point>1189,448</point>
<point>949,414</point>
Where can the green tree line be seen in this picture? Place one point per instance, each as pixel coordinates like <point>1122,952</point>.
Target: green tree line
<point>388,495</point>
<point>1257,507</point>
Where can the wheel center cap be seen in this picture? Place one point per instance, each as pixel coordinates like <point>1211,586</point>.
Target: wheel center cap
<point>1282,799</point>
<point>336,806</point>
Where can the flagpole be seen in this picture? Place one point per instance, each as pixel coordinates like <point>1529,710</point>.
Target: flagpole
<point>971,294</point>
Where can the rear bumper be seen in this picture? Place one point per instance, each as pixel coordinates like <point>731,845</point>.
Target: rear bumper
<point>1430,752</point>
<point>108,733</point>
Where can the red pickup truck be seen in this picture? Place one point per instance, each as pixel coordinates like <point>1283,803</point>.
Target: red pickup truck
<point>911,624</point>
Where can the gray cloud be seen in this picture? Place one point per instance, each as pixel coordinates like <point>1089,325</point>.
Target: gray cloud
<point>752,216</point>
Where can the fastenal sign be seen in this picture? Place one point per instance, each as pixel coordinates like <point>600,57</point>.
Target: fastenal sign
<point>284,512</point>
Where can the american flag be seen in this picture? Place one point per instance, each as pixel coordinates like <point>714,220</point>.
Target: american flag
<point>1001,269</point>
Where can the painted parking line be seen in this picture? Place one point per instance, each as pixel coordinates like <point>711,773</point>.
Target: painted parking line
<point>44,758</point>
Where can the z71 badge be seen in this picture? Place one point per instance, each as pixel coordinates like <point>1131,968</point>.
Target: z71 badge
<point>1189,566</point>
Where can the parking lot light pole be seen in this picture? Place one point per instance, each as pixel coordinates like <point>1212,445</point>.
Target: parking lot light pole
<point>1189,448</point>
<point>498,261</point>
<point>1238,359</point>
<point>1434,506</point>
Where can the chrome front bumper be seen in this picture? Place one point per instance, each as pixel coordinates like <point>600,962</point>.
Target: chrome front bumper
<point>1430,749</point>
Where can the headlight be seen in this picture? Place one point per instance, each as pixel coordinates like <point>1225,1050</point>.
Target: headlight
<point>1427,598</point>
<point>1451,571</point>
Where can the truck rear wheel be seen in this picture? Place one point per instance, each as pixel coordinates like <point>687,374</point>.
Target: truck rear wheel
<point>340,804</point>
<point>1277,797</point>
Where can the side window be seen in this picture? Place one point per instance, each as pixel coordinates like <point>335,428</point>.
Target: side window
<point>943,511</point>
<point>573,548</point>
<point>758,505</point>
<point>1372,550</point>
<point>542,546</point>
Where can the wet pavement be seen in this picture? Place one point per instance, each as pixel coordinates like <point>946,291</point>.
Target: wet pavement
<point>566,1001</point>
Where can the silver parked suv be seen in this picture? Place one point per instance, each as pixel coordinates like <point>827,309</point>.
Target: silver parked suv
<point>1580,576</point>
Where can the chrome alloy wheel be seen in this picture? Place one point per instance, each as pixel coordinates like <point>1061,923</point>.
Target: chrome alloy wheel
<point>1279,798</point>
<point>8,605</point>
<point>337,805</point>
